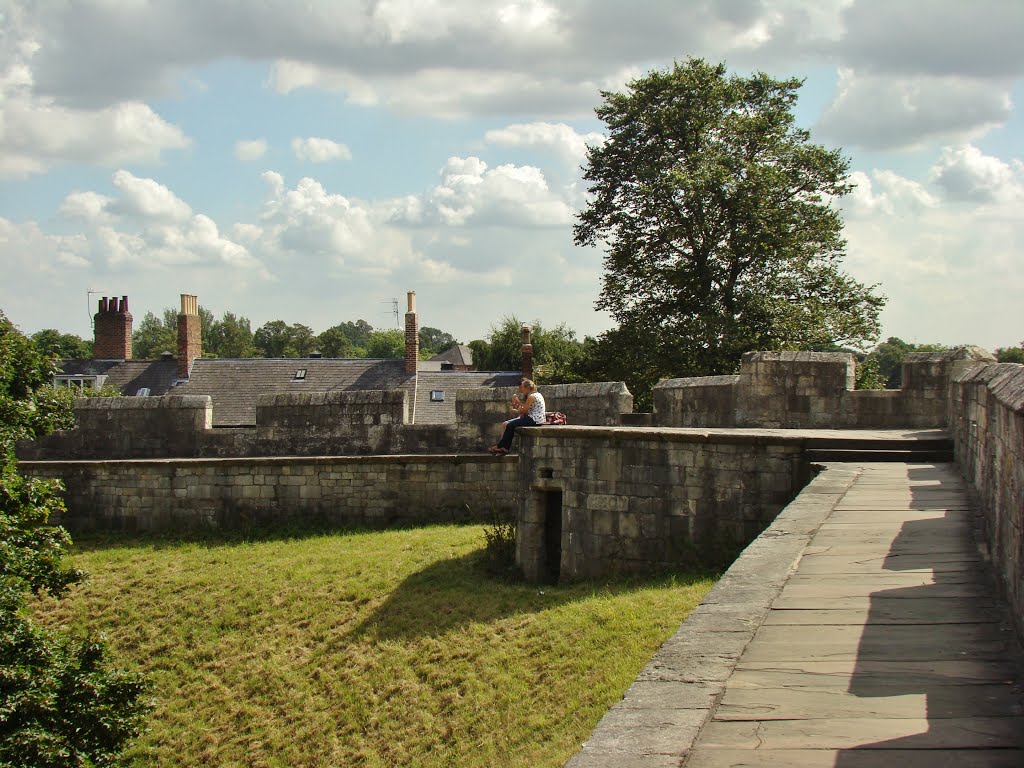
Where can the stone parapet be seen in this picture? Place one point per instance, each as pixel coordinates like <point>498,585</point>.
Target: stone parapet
<point>986,404</point>
<point>177,495</point>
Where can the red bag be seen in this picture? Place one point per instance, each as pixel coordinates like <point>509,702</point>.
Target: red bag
<point>554,417</point>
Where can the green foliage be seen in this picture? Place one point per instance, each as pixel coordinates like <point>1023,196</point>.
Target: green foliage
<point>434,340</point>
<point>385,344</point>
<point>59,703</point>
<point>869,375</point>
<point>889,356</point>
<point>229,337</point>
<point>152,337</point>
<point>1010,354</point>
<point>499,553</point>
<point>715,209</point>
<point>278,339</point>
<point>557,354</point>
<point>334,342</point>
<point>63,346</point>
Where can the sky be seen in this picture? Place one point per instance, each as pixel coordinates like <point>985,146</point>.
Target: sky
<point>314,161</point>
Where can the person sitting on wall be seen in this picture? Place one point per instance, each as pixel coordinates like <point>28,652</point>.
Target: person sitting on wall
<point>531,414</point>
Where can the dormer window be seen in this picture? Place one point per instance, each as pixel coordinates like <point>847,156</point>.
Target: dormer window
<point>300,375</point>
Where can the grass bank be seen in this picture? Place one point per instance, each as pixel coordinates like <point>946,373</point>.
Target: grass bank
<point>364,649</point>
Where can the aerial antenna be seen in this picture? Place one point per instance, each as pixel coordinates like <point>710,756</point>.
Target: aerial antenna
<point>394,311</point>
<point>88,306</point>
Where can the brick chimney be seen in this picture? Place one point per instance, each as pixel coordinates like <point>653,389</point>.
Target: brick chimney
<point>527,353</point>
<point>412,335</point>
<point>113,330</point>
<point>190,336</point>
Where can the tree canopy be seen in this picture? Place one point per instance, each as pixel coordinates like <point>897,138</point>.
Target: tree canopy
<point>715,213</point>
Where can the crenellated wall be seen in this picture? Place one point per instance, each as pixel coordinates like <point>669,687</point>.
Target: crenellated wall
<point>306,424</point>
<point>596,501</point>
<point>176,495</point>
<point>800,390</point>
<point>987,408</point>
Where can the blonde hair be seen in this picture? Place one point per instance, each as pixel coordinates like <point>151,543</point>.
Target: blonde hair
<point>528,384</point>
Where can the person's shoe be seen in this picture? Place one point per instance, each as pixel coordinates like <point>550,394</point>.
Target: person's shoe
<point>499,451</point>
<point>494,449</point>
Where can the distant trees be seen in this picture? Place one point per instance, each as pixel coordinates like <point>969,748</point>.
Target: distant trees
<point>153,336</point>
<point>63,346</point>
<point>889,356</point>
<point>279,339</point>
<point>434,340</point>
<point>1010,354</point>
<point>558,356</point>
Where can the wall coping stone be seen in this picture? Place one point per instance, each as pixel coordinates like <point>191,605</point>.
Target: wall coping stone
<point>735,436</point>
<point>133,403</point>
<point>688,673</point>
<point>398,459</point>
<point>699,381</point>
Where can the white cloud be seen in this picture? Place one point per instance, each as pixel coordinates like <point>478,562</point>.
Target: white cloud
<point>964,173</point>
<point>508,196</point>
<point>953,270</point>
<point>560,138</point>
<point>318,150</point>
<point>883,112</point>
<point>250,150</point>
<point>147,199</point>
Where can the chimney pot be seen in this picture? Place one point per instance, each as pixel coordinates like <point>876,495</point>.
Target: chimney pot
<point>410,299</point>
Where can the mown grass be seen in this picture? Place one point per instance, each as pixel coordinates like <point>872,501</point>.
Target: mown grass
<point>364,649</point>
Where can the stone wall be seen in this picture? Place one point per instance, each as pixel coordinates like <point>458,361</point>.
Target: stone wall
<point>987,408</point>
<point>188,494</point>
<point>597,500</point>
<point>480,412</point>
<point>813,390</point>
<point>305,424</point>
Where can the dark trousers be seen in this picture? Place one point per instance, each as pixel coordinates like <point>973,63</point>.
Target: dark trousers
<point>510,430</point>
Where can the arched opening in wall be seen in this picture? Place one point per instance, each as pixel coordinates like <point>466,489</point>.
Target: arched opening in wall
<point>551,504</point>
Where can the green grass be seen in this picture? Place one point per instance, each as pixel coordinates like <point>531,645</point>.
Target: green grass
<point>364,649</point>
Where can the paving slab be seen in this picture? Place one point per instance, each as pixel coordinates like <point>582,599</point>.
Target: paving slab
<point>859,631</point>
<point>865,733</point>
<point>854,758</point>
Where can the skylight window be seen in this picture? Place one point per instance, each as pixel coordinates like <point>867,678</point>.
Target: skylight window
<point>437,395</point>
<point>300,375</point>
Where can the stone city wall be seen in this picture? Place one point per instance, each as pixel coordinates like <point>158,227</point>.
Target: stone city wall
<point>597,500</point>
<point>987,408</point>
<point>305,424</point>
<point>813,390</point>
<point>176,495</point>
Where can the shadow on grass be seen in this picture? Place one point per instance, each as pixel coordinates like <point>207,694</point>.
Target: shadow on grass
<point>458,591</point>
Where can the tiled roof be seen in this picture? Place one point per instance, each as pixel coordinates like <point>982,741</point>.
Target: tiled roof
<point>128,375</point>
<point>233,384</point>
<point>460,354</point>
<point>429,412</point>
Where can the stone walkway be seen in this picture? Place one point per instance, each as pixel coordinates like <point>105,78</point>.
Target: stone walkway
<point>883,648</point>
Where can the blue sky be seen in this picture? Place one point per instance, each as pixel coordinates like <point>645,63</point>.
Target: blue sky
<point>400,145</point>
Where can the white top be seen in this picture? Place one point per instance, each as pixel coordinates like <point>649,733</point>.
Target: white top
<point>536,411</point>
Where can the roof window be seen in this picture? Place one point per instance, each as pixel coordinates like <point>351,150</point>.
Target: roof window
<point>300,375</point>
<point>437,395</point>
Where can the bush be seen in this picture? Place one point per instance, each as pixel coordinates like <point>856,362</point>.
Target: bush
<point>499,555</point>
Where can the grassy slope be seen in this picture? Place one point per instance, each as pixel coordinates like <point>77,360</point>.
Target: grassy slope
<point>373,649</point>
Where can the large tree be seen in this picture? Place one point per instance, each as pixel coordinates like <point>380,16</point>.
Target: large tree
<point>716,214</point>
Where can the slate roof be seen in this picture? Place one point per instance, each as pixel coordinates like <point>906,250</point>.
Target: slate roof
<point>460,354</point>
<point>128,375</point>
<point>428,412</point>
<point>233,385</point>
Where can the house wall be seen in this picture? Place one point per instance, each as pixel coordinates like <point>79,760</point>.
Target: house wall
<point>813,390</point>
<point>987,420</point>
<point>636,500</point>
<point>175,495</point>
